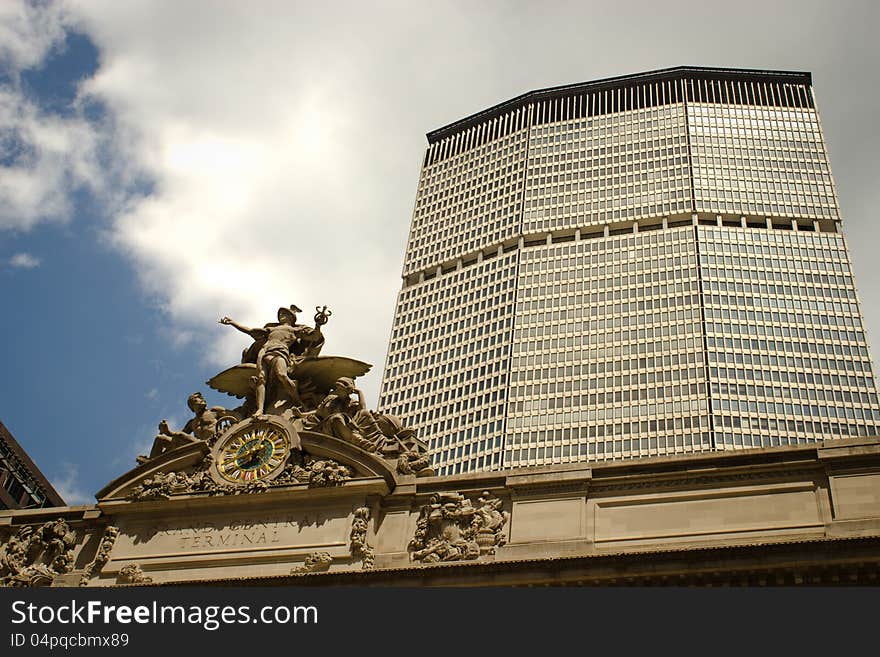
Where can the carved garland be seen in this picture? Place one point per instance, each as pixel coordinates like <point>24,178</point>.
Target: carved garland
<point>102,556</point>
<point>132,574</point>
<point>415,462</point>
<point>358,537</point>
<point>317,473</point>
<point>314,562</point>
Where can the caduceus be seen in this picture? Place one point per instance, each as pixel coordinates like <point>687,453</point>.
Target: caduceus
<point>322,315</point>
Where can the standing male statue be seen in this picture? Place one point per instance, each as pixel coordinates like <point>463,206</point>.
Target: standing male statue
<point>279,348</point>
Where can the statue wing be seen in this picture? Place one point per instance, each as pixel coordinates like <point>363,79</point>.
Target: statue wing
<point>323,371</point>
<point>235,381</point>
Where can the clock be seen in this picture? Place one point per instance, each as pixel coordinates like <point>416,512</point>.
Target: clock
<point>256,450</point>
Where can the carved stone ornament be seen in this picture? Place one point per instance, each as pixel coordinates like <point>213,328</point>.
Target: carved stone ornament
<point>317,473</point>
<point>35,556</point>
<point>315,562</point>
<point>300,468</point>
<point>282,372</point>
<point>358,537</point>
<point>451,528</point>
<point>416,462</point>
<point>132,574</point>
<point>101,556</point>
<point>162,485</point>
<point>489,523</point>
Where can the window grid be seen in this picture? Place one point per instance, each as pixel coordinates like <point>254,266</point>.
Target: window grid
<point>788,359</point>
<point>607,354</point>
<point>447,365</point>
<point>467,202</point>
<point>760,161</point>
<point>607,169</point>
<point>565,300</point>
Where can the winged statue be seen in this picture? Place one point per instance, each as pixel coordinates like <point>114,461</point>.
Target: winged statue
<point>290,390</point>
<point>316,375</point>
<point>284,363</point>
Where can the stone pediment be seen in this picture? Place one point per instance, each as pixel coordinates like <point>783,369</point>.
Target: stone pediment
<point>321,461</point>
<point>180,459</point>
<point>303,424</point>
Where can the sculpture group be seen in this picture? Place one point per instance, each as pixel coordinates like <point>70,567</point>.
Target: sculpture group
<point>451,528</point>
<point>302,423</point>
<point>287,387</point>
<point>35,556</point>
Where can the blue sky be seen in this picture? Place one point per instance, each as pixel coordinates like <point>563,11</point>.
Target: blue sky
<point>164,164</point>
<point>84,356</point>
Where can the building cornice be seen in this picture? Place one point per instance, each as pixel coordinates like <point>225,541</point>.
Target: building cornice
<point>808,558</point>
<point>621,82</point>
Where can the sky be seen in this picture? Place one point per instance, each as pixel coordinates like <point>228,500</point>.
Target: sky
<point>163,164</point>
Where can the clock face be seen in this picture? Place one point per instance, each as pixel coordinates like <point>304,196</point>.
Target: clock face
<point>256,451</point>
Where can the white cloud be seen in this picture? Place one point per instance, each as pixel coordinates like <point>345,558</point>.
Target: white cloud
<point>282,143</point>
<point>28,31</point>
<point>268,154</point>
<point>24,261</point>
<point>69,487</point>
<point>46,158</point>
<point>255,136</point>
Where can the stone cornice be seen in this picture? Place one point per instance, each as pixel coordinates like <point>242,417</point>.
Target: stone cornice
<point>647,566</point>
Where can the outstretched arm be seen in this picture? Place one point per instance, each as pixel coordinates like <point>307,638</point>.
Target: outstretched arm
<point>254,333</point>
<point>166,433</point>
<point>312,341</point>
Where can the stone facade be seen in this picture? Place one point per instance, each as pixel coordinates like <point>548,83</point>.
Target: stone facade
<point>792,515</point>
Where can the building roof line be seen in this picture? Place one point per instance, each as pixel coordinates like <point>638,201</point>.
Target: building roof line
<point>30,467</point>
<point>620,81</point>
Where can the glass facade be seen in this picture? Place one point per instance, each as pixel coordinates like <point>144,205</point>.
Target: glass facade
<point>642,266</point>
<point>766,161</point>
<point>608,356</point>
<point>788,361</point>
<point>607,168</point>
<point>447,366</point>
<point>467,202</point>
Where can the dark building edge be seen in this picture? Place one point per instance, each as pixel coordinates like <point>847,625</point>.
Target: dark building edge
<point>619,82</point>
<point>53,499</point>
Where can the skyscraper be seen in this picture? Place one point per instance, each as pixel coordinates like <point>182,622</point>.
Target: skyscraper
<point>639,266</point>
